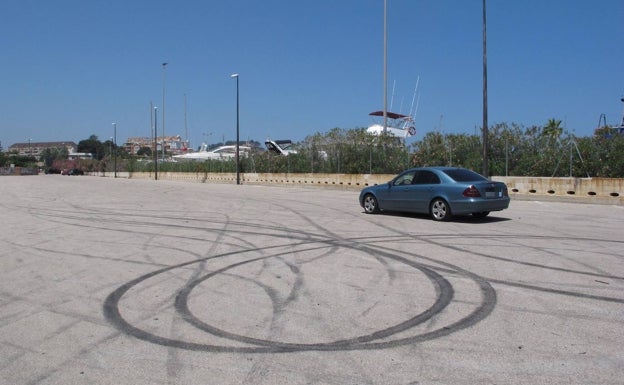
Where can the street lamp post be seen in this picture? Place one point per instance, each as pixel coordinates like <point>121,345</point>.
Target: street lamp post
<point>237,131</point>
<point>155,143</point>
<point>164,67</point>
<point>115,147</point>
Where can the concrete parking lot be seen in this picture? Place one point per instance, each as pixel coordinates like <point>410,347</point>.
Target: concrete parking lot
<point>117,281</point>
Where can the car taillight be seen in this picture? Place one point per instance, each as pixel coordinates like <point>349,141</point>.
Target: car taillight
<point>471,192</point>
<point>505,192</point>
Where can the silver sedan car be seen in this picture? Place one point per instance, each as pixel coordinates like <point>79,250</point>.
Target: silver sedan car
<point>438,191</point>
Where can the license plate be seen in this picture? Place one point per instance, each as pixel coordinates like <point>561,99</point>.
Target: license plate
<point>493,194</point>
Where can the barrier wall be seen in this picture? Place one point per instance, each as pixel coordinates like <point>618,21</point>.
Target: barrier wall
<point>604,189</point>
<point>18,171</point>
<point>595,190</point>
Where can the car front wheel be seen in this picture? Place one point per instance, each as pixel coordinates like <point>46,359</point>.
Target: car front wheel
<point>439,210</point>
<point>370,204</point>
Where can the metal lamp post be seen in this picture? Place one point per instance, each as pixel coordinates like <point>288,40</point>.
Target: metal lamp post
<point>486,167</point>
<point>164,67</point>
<point>385,74</point>
<point>155,143</point>
<point>237,131</point>
<point>115,147</point>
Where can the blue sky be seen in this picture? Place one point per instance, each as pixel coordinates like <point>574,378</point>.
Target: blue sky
<point>72,67</point>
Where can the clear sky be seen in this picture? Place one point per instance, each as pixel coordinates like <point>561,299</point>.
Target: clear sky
<point>70,68</point>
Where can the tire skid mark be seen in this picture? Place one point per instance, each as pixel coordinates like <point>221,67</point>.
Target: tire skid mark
<point>526,286</point>
<point>377,340</point>
<point>557,291</point>
<point>323,241</point>
<point>320,235</point>
<point>443,288</point>
<point>428,238</point>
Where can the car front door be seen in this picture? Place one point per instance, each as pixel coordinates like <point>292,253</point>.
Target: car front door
<point>394,197</point>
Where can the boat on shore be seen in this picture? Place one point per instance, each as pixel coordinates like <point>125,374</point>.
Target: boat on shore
<point>219,153</point>
<point>400,126</point>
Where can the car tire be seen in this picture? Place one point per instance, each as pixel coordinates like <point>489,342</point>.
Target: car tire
<point>371,205</point>
<point>481,214</point>
<point>439,210</point>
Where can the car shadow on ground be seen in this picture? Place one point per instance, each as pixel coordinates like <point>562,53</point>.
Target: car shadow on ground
<point>492,218</point>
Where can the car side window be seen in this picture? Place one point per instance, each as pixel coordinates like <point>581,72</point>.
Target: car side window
<point>426,177</point>
<point>404,179</point>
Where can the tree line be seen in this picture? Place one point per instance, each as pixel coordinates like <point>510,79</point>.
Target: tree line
<point>544,151</point>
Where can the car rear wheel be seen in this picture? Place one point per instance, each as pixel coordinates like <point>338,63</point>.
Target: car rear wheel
<point>370,204</point>
<point>439,210</point>
<point>481,214</point>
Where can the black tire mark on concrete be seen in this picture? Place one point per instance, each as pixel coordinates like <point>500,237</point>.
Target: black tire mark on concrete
<point>362,344</point>
<point>521,285</point>
<point>444,293</point>
<point>444,297</point>
<point>428,238</point>
<point>443,289</point>
<point>557,291</point>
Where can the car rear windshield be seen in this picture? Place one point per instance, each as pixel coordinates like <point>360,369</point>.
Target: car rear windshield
<point>462,175</point>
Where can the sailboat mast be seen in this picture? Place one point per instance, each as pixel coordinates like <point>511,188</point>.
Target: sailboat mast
<point>185,126</point>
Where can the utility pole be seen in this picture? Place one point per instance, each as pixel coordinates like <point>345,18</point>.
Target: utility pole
<point>115,144</point>
<point>486,170</point>
<point>164,67</point>
<point>155,143</point>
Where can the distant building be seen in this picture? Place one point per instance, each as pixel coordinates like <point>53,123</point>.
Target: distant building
<point>174,145</point>
<point>36,148</point>
<point>133,145</point>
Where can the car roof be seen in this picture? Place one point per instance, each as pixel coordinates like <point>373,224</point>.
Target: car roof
<point>439,168</point>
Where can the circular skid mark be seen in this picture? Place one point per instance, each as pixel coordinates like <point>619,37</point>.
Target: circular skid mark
<point>399,334</point>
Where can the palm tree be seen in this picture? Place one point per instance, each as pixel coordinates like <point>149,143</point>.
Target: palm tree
<point>553,129</point>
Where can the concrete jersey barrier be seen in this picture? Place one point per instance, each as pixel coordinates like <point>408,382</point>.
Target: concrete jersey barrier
<point>597,190</point>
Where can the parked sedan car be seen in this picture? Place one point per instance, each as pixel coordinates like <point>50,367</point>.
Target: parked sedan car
<point>75,171</point>
<point>438,191</point>
<point>52,170</point>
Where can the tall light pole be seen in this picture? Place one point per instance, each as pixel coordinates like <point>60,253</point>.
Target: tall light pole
<point>237,131</point>
<point>115,147</point>
<point>164,67</point>
<point>155,143</point>
<point>385,69</point>
<point>486,170</point>
<point>622,124</point>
